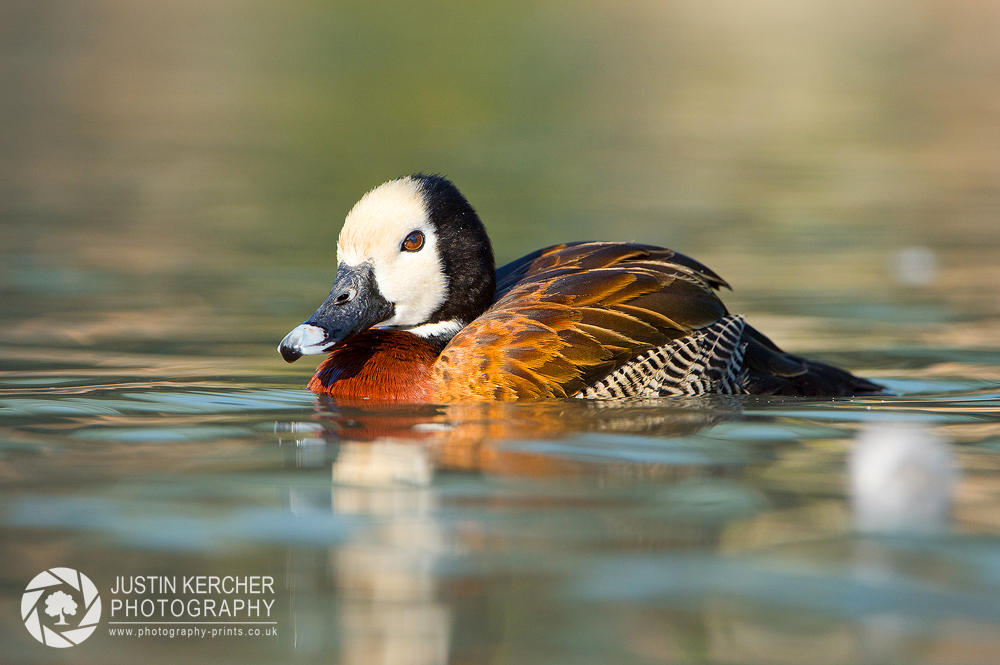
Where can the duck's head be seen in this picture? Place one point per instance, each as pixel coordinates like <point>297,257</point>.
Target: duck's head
<point>413,255</point>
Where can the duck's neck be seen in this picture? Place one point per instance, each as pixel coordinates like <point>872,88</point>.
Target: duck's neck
<point>379,365</point>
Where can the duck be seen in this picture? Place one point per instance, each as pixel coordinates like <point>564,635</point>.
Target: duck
<point>418,312</point>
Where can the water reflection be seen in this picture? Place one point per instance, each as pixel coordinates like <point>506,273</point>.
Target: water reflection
<point>389,612</point>
<point>310,446</point>
<point>763,569</point>
<point>623,532</point>
<point>520,438</point>
<point>395,606</point>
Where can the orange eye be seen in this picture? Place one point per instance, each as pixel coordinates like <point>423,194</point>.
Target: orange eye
<point>413,242</point>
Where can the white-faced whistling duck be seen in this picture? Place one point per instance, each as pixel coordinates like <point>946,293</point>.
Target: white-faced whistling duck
<point>419,313</point>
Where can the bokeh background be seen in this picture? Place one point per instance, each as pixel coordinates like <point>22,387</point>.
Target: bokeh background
<point>173,177</point>
<point>166,167</point>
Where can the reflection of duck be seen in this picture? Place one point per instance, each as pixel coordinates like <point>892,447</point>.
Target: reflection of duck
<point>473,436</point>
<point>417,313</point>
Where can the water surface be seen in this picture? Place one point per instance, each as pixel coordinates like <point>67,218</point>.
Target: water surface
<point>173,182</point>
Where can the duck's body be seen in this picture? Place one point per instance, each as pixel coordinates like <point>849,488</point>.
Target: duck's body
<point>597,319</point>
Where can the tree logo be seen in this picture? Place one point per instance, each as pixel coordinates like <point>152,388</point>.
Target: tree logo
<point>67,593</point>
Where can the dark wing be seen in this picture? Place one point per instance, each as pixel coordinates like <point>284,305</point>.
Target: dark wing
<point>568,315</point>
<point>771,371</point>
<point>543,259</point>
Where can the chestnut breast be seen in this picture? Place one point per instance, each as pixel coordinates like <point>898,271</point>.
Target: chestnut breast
<point>380,365</point>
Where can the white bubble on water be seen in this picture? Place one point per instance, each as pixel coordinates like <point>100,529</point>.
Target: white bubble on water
<point>902,478</point>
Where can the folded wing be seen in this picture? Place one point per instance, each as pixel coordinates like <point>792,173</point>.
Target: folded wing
<point>567,316</point>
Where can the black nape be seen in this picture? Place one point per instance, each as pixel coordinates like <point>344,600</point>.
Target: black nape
<point>464,248</point>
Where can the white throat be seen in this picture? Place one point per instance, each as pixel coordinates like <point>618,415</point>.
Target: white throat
<point>446,329</point>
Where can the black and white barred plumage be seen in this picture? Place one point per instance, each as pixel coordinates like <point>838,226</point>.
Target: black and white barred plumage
<point>708,361</point>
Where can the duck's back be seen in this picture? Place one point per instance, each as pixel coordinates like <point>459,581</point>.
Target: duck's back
<point>612,320</point>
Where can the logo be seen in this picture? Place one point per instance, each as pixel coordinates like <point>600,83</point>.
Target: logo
<point>55,597</point>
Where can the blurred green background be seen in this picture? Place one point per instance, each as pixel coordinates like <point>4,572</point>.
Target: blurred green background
<point>205,153</point>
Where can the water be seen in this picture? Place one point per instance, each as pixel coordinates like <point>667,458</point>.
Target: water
<point>173,182</point>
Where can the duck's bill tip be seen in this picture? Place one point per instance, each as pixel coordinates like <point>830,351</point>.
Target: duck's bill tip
<point>290,354</point>
<point>304,340</point>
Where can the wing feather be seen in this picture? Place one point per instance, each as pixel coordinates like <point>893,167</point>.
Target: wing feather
<point>567,315</point>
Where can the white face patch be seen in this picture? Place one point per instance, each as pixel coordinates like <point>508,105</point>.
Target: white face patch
<point>374,231</point>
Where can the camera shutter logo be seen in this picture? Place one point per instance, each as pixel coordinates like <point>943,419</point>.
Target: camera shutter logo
<point>57,592</point>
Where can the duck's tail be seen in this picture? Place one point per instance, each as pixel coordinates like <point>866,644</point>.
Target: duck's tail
<point>771,371</point>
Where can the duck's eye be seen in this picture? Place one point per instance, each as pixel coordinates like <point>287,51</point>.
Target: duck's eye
<point>413,242</point>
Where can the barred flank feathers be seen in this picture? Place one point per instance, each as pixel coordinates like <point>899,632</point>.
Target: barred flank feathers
<point>707,361</point>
